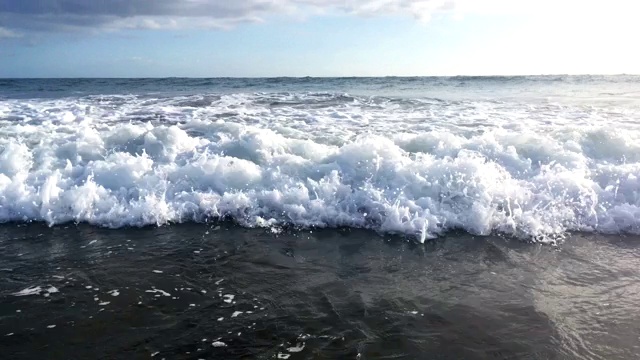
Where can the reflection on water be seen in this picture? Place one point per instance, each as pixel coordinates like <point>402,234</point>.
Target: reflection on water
<point>199,291</point>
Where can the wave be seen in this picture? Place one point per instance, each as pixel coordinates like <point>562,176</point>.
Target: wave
<point>418,168</point>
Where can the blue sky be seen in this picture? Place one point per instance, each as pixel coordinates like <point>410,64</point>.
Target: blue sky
<point>209,38</point>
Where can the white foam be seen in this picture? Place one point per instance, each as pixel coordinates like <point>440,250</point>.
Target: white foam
<point>50,290</point>
<point>418,168</point>
<point>35,290</point>
<point>297,348</point>
<point>158,291</point>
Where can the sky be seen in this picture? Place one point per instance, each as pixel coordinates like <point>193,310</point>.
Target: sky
<point>263,38</point>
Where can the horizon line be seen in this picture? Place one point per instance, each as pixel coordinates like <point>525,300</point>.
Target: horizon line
<point>310,77</point>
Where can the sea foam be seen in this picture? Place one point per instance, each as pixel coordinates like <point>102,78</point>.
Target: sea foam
<point>414,167</point>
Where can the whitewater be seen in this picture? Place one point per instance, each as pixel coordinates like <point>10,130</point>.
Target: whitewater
<point>528,157</point>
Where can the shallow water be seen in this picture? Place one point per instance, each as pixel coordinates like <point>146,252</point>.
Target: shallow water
<point>220,291</point>
<point>551,159</point>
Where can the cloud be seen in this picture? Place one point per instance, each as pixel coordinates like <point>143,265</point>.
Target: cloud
<point>8,34</point>
<point>419,9</point>
<point>69,15</point>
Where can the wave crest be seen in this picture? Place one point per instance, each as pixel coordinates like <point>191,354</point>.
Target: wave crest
<point>317,167</point>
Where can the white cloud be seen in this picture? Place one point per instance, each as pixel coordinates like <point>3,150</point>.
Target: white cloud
<point>420,9</point>
<point>17,16</point>
<point>8,34</point>
<point>65,15</point>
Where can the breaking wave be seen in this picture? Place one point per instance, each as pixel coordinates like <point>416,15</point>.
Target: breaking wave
<point>416,167</point>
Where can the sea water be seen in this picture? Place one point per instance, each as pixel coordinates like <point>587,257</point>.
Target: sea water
<point>283,218</point>
<point>528,157</point>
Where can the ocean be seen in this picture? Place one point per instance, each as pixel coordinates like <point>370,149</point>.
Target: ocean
<point>320,218</point>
